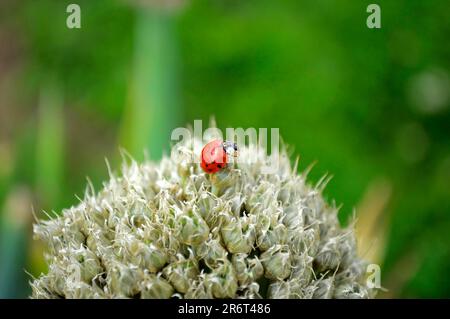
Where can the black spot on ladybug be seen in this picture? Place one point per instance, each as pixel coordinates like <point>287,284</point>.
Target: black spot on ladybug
<point>219,165</point>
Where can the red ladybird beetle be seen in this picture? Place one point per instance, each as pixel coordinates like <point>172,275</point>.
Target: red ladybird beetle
<point>215,155</point>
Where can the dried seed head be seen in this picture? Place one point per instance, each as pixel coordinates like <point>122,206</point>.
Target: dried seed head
<point>166,229</point>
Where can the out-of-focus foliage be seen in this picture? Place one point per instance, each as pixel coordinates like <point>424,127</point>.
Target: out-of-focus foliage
<point>367,105</point>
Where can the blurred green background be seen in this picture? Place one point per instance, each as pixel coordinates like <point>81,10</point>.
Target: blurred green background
<point>370,106</point>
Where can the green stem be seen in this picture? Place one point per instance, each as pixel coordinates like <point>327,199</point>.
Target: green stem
<point>153,110</point>
<point>50,144</point>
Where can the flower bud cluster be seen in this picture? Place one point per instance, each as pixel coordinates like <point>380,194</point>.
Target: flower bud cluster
<point>162,230</point>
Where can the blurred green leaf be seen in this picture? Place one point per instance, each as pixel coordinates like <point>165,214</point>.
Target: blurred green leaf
<point>50,143</point>
<point>153,110</point>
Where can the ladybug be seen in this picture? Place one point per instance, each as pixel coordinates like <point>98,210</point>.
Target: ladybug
<point>215,155</point>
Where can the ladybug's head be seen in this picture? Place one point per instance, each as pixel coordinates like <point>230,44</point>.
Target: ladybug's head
<point>230,148</point>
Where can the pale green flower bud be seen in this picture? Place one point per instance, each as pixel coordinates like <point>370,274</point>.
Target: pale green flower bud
<point>277,235</point>
<point>351,290</point>
<point>277,262</point>
<point>233,237</point>
<point>148,256</point>
<point>97,240</point>
<point>82,290</point>
<point>43,288</point>
<point>125,281</point>
<point>155,287</point>
<point>211,251</point>
<point>90,268</point>
<point>279,290</point>
<point>292,217</point>
<point>206,204</point>
<point>354,272</point>
<point>237,203</point>
<point>310,240</point>
<point>302,269</point>
<point>248,270</point>
<point>329,256</point>
<point>55,281</point>
<point>194,229</point>
<point>222,281</point>
<point>324,288</point>
<point>180,274</point>
<point>251,291</point>
<point>198,289</point>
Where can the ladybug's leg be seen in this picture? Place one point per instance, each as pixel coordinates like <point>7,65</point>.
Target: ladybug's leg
<point>213,179</point>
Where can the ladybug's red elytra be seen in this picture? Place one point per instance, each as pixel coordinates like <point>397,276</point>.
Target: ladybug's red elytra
<point>215,154</point>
